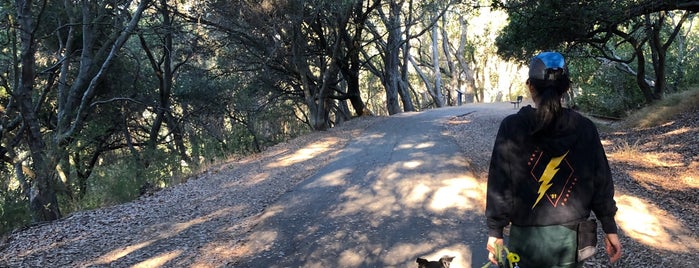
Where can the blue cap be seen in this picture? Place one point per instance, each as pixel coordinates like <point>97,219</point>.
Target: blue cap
<point>547,66</point>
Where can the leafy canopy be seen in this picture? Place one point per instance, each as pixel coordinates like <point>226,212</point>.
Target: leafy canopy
<point>551,24</point>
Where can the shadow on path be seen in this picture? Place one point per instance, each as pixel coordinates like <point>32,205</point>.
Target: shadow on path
<point>403,190</point>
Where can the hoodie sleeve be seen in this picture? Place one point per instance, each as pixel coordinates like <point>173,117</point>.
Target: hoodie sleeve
<point>603,204</point>
<point>499,196</point>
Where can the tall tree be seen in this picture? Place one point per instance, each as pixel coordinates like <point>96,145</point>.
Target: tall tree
<point>436,91</point>
<point>391,59</point>
<point>304,49</point>
<point>350,65</point>
<point>600,25</point>
<point>43,201</point>
<point>397,28</point>
<point>165,67</point>
<point>74,93</point>
<point>466,69</point>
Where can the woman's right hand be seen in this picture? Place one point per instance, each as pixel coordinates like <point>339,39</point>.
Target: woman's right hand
<point>493,244</point>
<point>613,247</point>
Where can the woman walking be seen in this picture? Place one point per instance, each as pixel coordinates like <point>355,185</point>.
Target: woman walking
<point>548,171</point>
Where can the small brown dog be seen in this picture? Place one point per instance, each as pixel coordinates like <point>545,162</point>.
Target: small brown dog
<point>443,262</point>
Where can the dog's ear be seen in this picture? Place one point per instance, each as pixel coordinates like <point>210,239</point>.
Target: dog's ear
<point>422,261</point>
<point>446,258</point>
<point>446,261</point>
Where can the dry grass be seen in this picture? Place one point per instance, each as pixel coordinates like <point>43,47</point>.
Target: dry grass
<point>658,140</point>
<point>626,149</point>
<point>656,134</point>
<point>664,110</point>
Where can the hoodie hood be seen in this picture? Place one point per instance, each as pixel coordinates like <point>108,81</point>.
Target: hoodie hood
<point>559,137</point>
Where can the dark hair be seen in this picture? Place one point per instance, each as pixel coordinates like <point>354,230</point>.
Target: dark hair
<point>549,94</point>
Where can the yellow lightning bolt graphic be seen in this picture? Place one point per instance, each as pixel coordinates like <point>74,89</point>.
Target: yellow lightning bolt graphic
<point>547,176</point>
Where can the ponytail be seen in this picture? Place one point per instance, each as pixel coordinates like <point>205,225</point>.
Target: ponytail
<point>549,78</point>
<point>549,94</point>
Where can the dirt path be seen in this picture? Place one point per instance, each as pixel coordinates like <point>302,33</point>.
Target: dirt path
<point>402,190</point>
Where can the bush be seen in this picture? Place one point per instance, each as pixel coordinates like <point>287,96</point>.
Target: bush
<point>608,92</point>
<point>121,180</point>
<point>14,212</point>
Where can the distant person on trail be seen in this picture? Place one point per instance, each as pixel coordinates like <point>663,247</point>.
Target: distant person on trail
<point>547,172</point>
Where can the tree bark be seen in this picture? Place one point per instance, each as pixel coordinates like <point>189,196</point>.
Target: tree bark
<point>403,85</point>
<point>465,67</point>
<point>391,59</point>
<point>436,92</point>
<point>453,73</point>
<point>351,65</point>
<point>641,62</point>
<point>83,101</point>
<point>42,195</point>
<point>659,49</point>
<point>165,73</point>
<point>422,75</point>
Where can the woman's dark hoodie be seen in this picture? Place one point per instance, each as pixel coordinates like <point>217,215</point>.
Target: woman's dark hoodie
<point>554,177</point>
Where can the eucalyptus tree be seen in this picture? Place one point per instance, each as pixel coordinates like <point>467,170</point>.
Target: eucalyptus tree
<point>456,58</point>
<point>65,51</point>
<point>616,31</point>
<point>391,29</point>
<point>389,50</point>
<point>440,60</point>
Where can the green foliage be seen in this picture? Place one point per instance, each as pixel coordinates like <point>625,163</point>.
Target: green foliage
<point>607,91</point>
<point>547,25</point>
<point>114,184</point>
<point>221,109</point>
<point>14,211</point>
<point>683,62</point>
<point>120,179</point>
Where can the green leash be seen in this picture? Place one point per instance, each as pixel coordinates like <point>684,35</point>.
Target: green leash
<point>512,258</point>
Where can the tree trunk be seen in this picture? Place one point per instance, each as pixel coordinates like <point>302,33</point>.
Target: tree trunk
<point>453,72</point>
<point>166,77</point>
<point>351,74</point>
<point>423,77</point>
<point>313,97</point>
<point>42,195</point>
<point>73,102</point>
<point>465,68</point>
<point>641,76</point>
<point>641,68</point>
<point>350,68</point>
<point>391,59</point>
<point>436,92</point>
<point>353,91</point>
<point>659,49</point>
<point>404,86</point>
<point>658,54</point>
